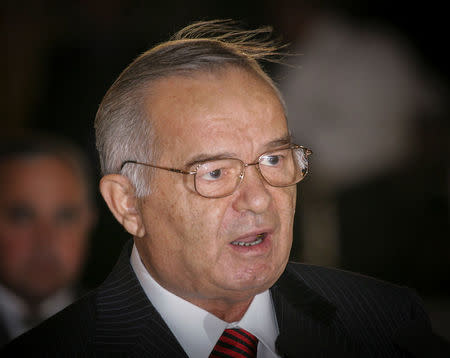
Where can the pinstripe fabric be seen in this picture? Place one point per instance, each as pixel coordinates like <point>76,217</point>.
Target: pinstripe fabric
<point>138,328</point>
<point>321,313</point>
<point>341,314</point>
<point>114,320</point>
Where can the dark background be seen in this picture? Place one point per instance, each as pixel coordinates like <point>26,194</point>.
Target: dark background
<point>59,58</point>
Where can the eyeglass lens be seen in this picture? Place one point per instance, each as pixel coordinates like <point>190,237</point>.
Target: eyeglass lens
<point>279,168</point>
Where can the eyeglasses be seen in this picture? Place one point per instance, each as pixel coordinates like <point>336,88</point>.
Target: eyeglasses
<point>221,177</point>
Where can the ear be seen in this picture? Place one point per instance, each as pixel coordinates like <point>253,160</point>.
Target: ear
<point>119,195</point>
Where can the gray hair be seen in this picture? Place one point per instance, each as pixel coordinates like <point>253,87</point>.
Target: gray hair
<point>123,129</point>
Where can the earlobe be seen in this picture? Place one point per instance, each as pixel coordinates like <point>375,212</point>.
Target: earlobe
<point>118,193</point>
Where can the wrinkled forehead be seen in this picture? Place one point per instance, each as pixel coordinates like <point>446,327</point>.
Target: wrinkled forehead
<point>213,108</point>
<point>161,87</point>
<point>216,72</point>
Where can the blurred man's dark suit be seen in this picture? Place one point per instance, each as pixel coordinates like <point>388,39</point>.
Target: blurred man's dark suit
<point>4,337</point>
<point>321,313</point>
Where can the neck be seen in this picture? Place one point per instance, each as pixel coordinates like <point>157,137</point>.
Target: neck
<point>228,310</point>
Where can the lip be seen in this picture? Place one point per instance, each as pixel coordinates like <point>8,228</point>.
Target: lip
<point>259,248</point>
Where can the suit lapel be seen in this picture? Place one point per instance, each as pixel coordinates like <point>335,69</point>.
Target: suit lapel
<point>128,323</point>
<point>307,321</point>
<point>126,320</point>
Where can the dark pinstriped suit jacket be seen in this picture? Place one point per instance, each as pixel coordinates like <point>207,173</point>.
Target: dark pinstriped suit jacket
<point>321,313</point>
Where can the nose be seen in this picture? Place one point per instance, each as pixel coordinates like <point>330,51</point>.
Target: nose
<point>44,232</point>
<point>252,194</point>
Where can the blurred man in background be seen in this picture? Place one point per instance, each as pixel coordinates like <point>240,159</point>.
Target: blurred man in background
<point>46,214</point>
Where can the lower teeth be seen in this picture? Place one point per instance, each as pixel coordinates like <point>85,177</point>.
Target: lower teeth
<point>240,243</point>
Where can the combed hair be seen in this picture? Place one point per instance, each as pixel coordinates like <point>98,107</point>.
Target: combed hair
<point>123,125</point>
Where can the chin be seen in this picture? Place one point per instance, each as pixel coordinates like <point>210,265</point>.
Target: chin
<point>256,281</point>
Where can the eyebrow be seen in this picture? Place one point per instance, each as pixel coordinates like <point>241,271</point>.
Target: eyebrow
<point>207,157</point>
<point>202,157</point>
<point>287,139</point>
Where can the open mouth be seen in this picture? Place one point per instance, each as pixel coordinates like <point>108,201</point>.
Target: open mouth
<point>250,241</point>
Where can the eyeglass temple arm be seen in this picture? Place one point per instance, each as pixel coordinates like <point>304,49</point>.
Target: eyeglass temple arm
<point>156,166</point>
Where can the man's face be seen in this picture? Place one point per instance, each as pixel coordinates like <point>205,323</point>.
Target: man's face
<point>187,245</point>
<point>44,224</point>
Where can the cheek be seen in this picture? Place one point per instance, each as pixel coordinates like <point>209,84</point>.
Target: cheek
<point>285,200</point>
<point>216,223</point>
<point>198,234</point>
<point>70,252</point>
<point>181,213</point>
<point>15,248</point>
<point>15,260</point>
<point>70,248</point>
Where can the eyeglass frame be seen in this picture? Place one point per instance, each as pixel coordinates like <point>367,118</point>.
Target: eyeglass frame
<point>292,146</point>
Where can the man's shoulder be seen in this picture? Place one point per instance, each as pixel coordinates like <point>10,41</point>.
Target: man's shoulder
<point>71,327</point>
<point>329,278</point>
<point>371,315</point>
<point>358,298</point>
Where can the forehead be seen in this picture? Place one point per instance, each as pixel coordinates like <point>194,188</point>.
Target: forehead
<point>214,112</point>
<point>41,179</point>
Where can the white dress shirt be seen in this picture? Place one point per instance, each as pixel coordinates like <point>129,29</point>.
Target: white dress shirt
<point>197,330</point>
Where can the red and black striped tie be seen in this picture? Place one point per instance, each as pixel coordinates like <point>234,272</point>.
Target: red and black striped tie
<point>235,343</point>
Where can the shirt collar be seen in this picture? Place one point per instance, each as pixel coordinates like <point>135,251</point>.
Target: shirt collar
<point>197,330</point>
<point>13,308</point>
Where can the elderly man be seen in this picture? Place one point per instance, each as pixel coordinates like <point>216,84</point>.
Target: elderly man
<point>45,218</point>
<point>200,169</point>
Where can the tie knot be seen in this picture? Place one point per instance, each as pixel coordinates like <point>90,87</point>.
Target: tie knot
<point>235,343</point>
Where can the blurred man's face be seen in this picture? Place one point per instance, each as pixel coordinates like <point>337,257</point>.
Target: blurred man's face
<point>190,242</point>
<point>44,224</point>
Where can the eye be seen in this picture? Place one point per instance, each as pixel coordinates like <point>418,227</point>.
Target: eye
<point>218,171</point>
<point>67,216</point>
<point>20,215</point>
<point>270,160</point>
<point>213,175</point>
